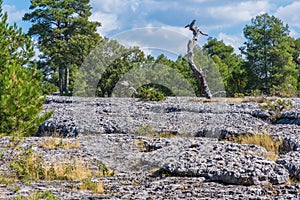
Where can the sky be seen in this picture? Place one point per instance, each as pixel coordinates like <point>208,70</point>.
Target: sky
<point>166,19</point>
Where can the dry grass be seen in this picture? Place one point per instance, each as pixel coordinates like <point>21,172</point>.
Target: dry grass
<point>263,140</point>
<point>165,134</point>
<point>68,171</point>
<point>60,143</point>
<point>29,166</point>
<point>235,100</point>
<point>95,187</point>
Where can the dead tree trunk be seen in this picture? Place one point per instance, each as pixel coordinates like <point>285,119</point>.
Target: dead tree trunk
<point>197,73</point>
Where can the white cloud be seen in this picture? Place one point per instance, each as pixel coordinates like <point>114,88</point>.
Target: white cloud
<point>168,40</point>
<point>294,33</point>
<point>13,14</point>
<point>109,22</point>
<point>235,41</point>
<point>290,14</point>
<point>235,13</point>
<point>109,6</point>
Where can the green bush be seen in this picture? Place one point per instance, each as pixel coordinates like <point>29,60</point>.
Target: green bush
<point>150,95</point>
<point>21,99</point>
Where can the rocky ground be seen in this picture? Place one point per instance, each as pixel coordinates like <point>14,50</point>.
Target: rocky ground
<point>174,149</point>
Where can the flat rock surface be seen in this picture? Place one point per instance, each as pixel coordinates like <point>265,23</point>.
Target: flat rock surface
<point>125,115</point>
<point>138,174</point>
<point>126,134</point>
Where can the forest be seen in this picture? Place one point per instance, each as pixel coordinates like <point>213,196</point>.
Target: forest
<point>267,65</point>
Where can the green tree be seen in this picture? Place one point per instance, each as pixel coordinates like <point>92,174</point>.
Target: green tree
<point>229,65</point>
<point>65,37</point>
<point>20,98</point>
<point>296,58</point>
<point>129,59</point>
<point>269,62</point>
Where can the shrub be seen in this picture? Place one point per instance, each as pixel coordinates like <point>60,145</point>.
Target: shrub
<point>27,166</point>
<point>20,103</point>
<point>20,87</point>
<point>150,94</point>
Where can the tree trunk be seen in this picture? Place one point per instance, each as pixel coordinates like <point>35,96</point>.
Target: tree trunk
<point>60,81</point>
<point>197,73</point>
<point>66,85</point>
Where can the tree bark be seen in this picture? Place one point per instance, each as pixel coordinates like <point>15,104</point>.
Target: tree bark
<point>66,85</point>
<point>60,81</point>
<point>197,73</point>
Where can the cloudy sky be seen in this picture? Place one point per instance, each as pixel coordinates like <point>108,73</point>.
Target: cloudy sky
<point>221,19</point>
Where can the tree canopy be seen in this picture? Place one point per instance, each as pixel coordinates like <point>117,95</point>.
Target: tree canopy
<point>269,60</point>
<point>65,37</point>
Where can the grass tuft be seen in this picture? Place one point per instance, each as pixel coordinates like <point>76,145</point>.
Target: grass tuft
<point>95,187</point>
<point>263,140</point>
<point>60,143</point>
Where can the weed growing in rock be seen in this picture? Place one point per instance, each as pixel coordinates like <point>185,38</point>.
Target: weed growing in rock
<point>60,143</point>
<point>95,187</point>
<point>38,195</point>
<point>165,134</point>
<point>104,170</point>
<point>5,181</point>
<point>67,171</point>
<point>27,166</point>
<point>276,107</point>
<point>145,130</point>
<point>141,145</point>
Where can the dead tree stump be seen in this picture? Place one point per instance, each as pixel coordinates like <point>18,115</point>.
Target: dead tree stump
<point>197,73</point>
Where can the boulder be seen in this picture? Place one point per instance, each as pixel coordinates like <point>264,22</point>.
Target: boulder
<point>217,161</point>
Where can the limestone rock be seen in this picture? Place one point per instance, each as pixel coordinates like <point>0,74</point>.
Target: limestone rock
<point>218,161</point>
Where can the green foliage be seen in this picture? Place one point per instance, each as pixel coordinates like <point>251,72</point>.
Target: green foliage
<point>104,170</point>
<point>21,102</point>
<point>212,73</point>
<point>49,88</point>
<point>150,94</point>
<point>95,187</point>
<point>65,37</point>
<point>15,46</point>
<point>20,89</point>
<point>229,65</point>
<point>269,61</point>
<point>238,95</point>
<point>27,166</point>
<point>124,62</point>
<point>4,180</point>
<point>277,106</point>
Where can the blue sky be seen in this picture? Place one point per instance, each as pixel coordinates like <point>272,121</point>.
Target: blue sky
<point>221,19</point>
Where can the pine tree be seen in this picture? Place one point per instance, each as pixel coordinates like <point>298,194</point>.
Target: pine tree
<point>20,98</point>
<point>269,61</point>
<point>65,36</point>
